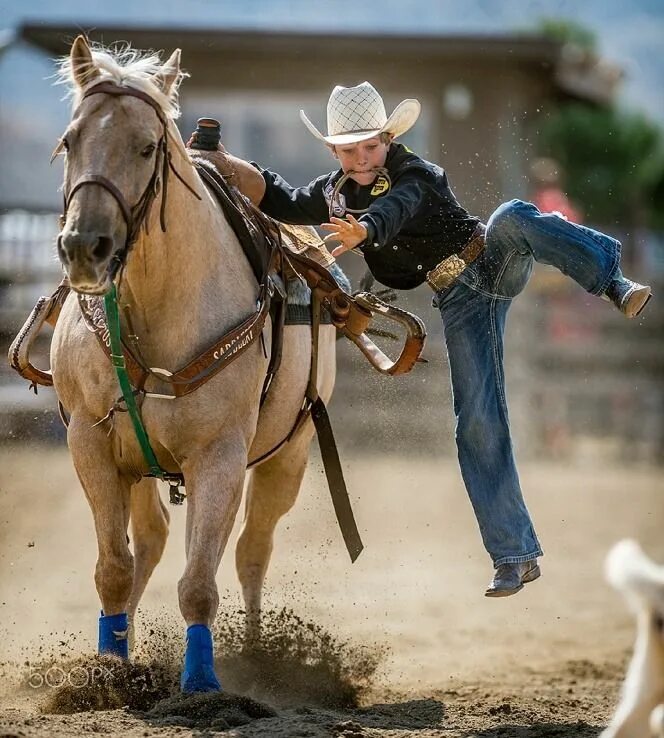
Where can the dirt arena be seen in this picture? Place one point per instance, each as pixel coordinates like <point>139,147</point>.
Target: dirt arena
<point>402,643</point>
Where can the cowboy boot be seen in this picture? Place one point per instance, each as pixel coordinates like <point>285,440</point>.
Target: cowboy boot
<point>509,579</point>
<point>629,297</point>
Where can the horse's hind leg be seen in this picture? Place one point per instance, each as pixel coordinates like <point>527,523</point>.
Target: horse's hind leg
<point>108,494</point>
<point>149,531</point>
<point>272,491</point>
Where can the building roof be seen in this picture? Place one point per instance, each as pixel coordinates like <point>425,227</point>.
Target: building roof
<point>57,38</point>
<point>584,77</point>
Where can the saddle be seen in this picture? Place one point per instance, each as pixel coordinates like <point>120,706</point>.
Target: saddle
<point>303,255</point>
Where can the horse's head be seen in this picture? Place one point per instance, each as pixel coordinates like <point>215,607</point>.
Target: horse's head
<point>115,145</point>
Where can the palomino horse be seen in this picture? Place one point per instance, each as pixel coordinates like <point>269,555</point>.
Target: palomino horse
<point>182,288</point>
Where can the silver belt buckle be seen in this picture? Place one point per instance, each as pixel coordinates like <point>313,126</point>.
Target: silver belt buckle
<point>444,274</point>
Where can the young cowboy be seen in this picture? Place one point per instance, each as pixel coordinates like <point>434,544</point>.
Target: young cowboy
<point>400,212</point>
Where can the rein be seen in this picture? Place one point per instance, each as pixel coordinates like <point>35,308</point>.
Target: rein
<point>120,366</point>
<point>334,198</point>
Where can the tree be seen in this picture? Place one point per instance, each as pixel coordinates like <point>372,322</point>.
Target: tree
<point>613,162</point>
<point>566,31</point>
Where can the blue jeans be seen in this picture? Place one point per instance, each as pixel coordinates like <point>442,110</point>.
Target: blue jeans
<point>474,310</point>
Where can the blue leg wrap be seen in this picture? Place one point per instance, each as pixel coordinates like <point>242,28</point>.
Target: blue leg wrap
<point>113,635</point>
<point>198,673</point>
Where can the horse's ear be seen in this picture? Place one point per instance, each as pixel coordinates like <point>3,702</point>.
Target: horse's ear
<point>169,76</point>
<point>82,64</point>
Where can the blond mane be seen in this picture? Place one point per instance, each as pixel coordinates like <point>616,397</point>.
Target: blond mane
<point>127,67</point>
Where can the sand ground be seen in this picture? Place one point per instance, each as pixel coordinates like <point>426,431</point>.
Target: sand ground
<point>546,662</point>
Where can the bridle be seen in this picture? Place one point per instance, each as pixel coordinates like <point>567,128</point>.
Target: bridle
<point>134,216</point>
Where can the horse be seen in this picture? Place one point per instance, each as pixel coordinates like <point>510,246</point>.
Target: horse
<point>184,281</point>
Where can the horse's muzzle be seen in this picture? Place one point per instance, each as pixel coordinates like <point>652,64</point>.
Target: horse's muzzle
<point>86,258</point>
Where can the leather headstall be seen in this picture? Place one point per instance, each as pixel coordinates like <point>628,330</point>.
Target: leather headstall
<point>134,216</point>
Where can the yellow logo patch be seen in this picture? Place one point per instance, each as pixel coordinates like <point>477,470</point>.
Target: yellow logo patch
<point>381,186</point>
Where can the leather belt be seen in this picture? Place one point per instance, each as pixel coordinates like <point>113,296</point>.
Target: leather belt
<point>445,273</point>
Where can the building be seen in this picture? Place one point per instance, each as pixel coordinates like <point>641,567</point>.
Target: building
<point>481,95</point>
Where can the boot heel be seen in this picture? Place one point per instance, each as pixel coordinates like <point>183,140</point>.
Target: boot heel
<point>532,575</point>
<point>633,312</point>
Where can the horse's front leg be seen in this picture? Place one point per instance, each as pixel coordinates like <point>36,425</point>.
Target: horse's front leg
<point>214,490</point>
<point>108,493</point>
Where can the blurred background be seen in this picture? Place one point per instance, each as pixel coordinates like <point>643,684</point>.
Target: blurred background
<point>559,102</point>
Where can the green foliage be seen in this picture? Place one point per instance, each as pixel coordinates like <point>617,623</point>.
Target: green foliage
<point>613,162</point>
<point>568,32</point>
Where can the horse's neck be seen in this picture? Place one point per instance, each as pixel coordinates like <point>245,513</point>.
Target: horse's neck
<point>188,285</point>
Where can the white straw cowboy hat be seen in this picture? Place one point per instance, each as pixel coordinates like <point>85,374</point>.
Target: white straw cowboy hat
<point>357,113</point>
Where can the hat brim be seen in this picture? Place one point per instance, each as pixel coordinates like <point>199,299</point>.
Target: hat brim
<point>402,119</point>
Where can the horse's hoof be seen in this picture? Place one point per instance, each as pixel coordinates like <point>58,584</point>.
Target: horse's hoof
<point>113,631</point>
<point>203,680</point>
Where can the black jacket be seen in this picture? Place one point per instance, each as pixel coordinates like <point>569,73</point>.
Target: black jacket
<point>412,226</point>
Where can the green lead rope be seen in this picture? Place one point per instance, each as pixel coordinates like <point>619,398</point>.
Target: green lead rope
<point>118,360</point>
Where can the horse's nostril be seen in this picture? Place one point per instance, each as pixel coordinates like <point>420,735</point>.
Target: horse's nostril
<point>62,253</point>
<point>658,620</point>
<point>103,248</point>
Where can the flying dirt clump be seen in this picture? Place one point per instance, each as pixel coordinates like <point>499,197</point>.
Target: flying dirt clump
<point>294,662</point>
<point>107,683</point>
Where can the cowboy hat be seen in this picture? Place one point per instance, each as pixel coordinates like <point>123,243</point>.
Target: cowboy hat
<point>358,113</point>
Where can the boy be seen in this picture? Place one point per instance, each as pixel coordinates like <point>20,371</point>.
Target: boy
<point>400,212</point>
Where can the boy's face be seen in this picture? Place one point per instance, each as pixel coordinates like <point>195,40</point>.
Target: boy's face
<point>361,158</point>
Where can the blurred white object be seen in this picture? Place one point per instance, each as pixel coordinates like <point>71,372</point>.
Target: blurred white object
<point>657,722</point>
<point>640,712</point>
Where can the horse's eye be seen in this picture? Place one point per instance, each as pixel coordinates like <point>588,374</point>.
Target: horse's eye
<point>148,151</point>
<point>659,622</point>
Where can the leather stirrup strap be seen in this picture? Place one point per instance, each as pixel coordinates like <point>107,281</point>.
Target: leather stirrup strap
<point>328,446</point>
<point>335,479</point>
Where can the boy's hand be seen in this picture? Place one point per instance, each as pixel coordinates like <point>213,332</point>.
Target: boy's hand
<point>349,233</point>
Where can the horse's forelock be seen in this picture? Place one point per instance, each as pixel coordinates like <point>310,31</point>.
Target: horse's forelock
<point>127,67</point>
